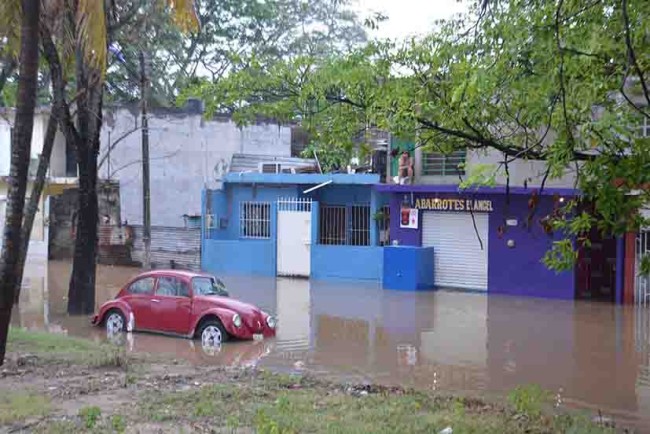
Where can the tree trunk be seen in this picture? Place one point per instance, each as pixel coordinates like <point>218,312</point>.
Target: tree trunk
<point>20,154</point>
<point>81,293</point>
<point>35,197</point>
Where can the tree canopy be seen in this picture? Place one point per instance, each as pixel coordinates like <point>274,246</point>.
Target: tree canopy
<point>560,81</point>
<point>229,31</point>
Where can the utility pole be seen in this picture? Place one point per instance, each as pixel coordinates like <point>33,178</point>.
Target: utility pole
<point>146,193</point>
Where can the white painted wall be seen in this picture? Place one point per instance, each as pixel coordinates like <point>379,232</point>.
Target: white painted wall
<point>184,150</point>
<point>39,240</point>
<point>57,161</point>
<point>5,146</point>
<point>520,170</point>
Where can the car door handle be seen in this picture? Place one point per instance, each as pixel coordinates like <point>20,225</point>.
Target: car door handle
<point>155,300</point>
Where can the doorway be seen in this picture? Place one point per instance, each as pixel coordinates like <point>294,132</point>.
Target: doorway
<point>596,269</point>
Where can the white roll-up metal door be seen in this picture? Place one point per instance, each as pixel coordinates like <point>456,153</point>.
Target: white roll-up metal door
<point>459,260</point>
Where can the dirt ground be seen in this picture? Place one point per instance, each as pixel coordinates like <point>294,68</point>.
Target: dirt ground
<point>57,384</point>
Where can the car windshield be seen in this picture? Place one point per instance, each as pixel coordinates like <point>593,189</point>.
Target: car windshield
<point>209,286</point>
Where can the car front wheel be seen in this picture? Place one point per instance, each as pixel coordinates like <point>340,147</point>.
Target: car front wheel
<point>212,333</point>
<point>115,322</point>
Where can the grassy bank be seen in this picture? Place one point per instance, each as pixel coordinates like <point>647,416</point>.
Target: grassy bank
<point>125,395</point>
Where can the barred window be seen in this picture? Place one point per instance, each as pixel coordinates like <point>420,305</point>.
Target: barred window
<point>437,164</point>
<point>255,220</point>
<point>339,225</point>
<point>360,229</point>
<point>332,224</point>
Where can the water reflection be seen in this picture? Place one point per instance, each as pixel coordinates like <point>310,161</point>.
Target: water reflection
<point>589,354</point>
<point>232,354</point>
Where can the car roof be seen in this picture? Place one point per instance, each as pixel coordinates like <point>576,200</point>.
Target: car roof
<point>179,273</point>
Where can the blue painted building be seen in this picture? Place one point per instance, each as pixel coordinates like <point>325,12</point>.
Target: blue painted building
<point>408,237</point>
<point>310,225</point>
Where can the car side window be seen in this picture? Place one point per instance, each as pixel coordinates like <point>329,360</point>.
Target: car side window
<point>142,286</point>
<point>172,286</point>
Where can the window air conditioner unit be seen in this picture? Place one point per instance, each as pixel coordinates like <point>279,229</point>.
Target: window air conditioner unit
<point>269,168</point>
<point>275,168</point>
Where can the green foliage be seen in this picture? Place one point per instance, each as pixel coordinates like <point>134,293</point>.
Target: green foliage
<point>644,267</point>
<point>520,81</point>
<point>8,94</point>
<point>528,400</point>
<point>561,257</point>
<point>18,406</point>
<point>329,157</point>
<point>118,423</point>
<point>480,174</point>
<point>266,425</point>
<point>230,32</point>
<point>90,416</point>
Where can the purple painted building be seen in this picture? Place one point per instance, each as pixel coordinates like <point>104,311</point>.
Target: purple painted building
<point>482,238</point>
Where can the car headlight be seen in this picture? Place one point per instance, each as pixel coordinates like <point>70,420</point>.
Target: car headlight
<point>236,320</point>
<point>271,322</point>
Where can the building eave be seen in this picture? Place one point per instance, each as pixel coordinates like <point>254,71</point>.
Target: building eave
<point>455,188</point>
<point>300,178</point>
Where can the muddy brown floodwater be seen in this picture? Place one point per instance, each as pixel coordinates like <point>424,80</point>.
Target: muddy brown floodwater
<point>591,355</point>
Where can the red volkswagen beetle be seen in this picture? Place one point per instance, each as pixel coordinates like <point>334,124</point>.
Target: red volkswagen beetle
<point>183,303</point>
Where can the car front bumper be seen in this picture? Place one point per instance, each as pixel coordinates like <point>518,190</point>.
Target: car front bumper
<point>246,333</point>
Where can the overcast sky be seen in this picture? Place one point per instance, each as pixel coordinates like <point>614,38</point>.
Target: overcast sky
<point>409,17</point>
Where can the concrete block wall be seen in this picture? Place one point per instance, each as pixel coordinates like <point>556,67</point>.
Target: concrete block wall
<point>187,154</point>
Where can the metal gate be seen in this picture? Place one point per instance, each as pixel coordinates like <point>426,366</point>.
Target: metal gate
<point>642,283</point>
<point>459,259</point>
<point>294,237</point>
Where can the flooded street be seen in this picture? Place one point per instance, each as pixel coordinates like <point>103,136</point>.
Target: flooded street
<point>592,355</point>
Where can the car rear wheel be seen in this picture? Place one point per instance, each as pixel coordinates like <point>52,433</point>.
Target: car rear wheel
<point>212,333</point>
<point>115,322</point>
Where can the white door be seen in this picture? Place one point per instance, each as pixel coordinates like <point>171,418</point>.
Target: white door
<point>294,237</point>
<point>459,261</point>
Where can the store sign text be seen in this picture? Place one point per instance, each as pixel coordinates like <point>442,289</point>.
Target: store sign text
<point>437,204</point>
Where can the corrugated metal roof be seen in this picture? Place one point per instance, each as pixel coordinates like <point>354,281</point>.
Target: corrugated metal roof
<point>250,162</point>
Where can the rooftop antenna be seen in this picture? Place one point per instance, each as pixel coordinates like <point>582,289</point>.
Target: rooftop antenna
<point>320,169</point>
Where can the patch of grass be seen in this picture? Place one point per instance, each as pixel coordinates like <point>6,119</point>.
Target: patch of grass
<point>57,427</point>
<point>58,346</point>
<point>90,416</point>
<point>109,356</point>
<point>273,404</point>
<point>528,399</point>
<point>118,423</point>
<point>43,342</point>
<point>16,407</point>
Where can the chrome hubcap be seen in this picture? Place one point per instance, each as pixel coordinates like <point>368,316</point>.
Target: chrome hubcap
<point>211,336</point>
<point>114,323</point>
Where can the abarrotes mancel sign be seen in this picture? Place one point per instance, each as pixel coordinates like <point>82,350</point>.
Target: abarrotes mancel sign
<point>453,204</point>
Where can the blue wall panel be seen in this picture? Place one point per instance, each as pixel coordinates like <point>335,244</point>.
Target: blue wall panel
<point>346,262</point>
<point>256,257</point>
<point>225,252</point>
<point>227,204</point>
<point>342,195</point>
<point>408,268</point>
